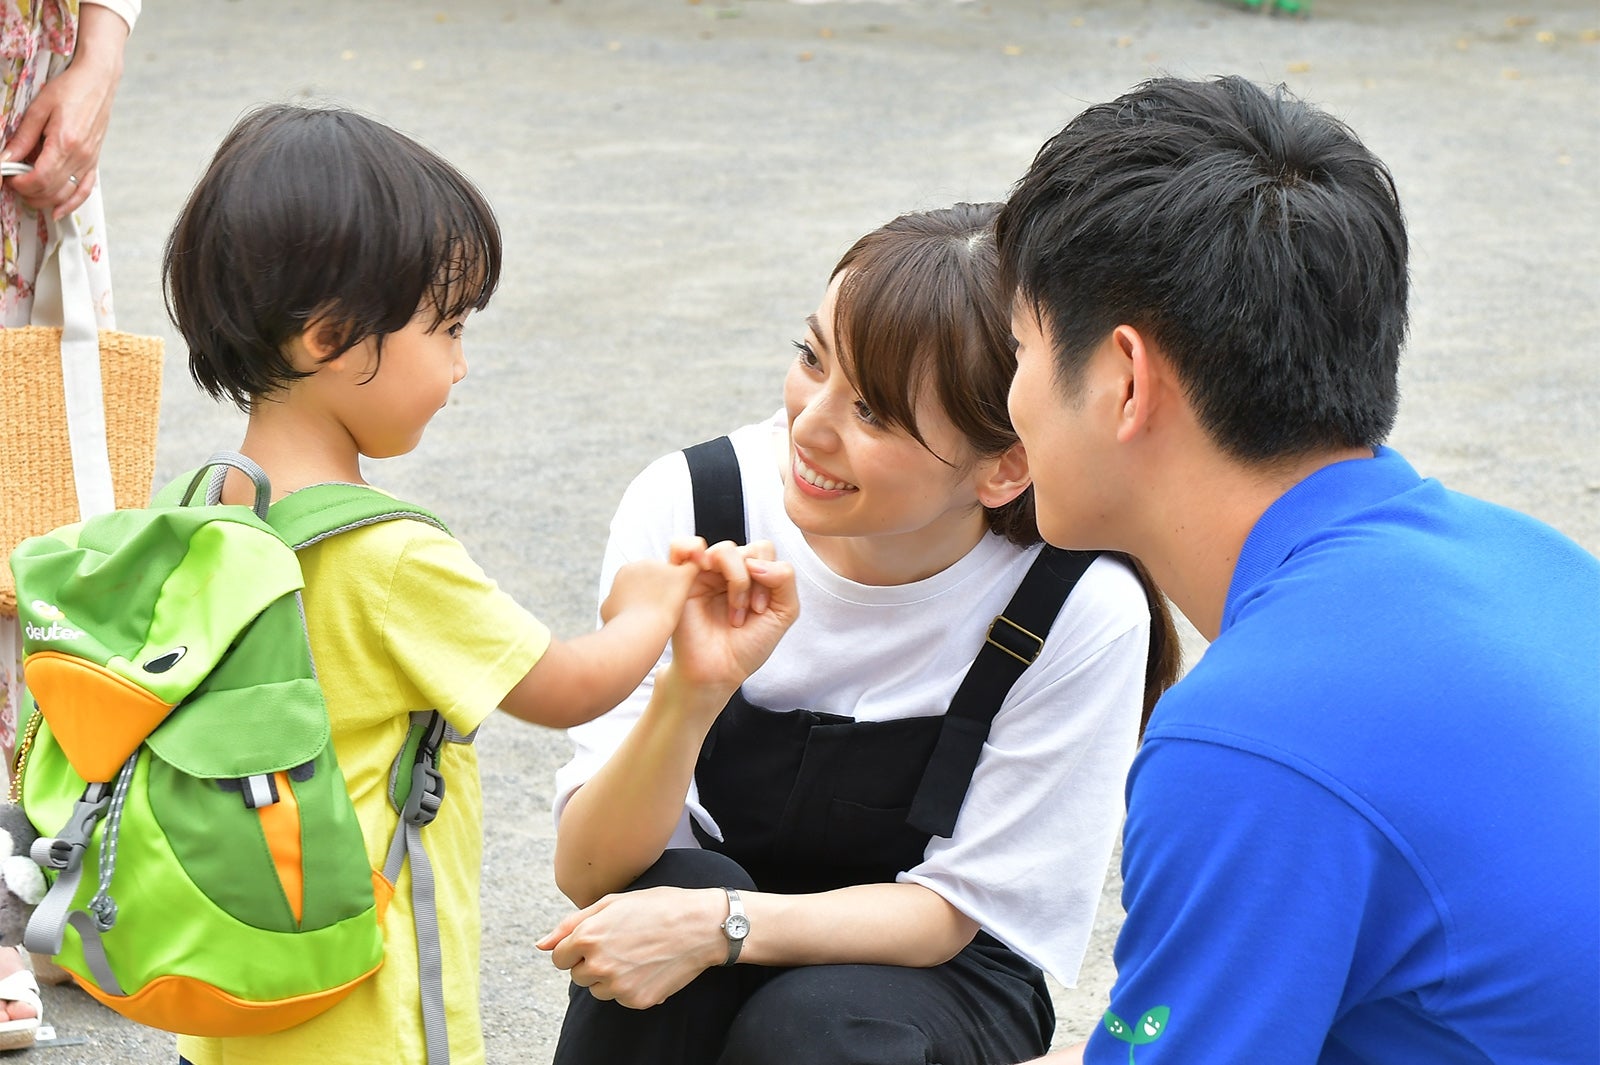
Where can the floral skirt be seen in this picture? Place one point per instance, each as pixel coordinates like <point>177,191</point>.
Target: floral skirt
<point>10,692</point>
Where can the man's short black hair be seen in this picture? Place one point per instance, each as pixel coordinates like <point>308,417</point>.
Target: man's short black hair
<point>1251,236</point>
<point>319,214</point>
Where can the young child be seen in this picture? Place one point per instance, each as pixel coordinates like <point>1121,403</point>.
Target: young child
<point>321,274</point>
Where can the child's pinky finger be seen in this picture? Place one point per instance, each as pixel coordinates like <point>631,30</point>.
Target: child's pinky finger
<point>688,549</point>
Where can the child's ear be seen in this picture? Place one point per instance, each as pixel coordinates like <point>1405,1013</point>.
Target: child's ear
<point>317,345</point>
<point>1004,477</point>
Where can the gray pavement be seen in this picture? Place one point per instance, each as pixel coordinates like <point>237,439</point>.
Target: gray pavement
<point>676,178</point>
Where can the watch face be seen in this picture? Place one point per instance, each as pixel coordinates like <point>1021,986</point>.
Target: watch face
<point>737,926</point>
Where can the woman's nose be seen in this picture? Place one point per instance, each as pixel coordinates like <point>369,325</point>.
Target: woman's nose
<point>813,426</point>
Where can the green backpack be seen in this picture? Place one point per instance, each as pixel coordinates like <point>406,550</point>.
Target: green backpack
<point>208,871</point>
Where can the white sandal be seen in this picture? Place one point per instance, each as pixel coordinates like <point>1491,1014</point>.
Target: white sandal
<point>21,986</point>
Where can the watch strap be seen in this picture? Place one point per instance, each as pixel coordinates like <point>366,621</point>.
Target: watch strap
<point>735,926</point>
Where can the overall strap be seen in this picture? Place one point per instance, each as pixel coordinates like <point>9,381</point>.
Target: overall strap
<point>1014,641</point>
<point>718,491</point>
<point>416,788</point>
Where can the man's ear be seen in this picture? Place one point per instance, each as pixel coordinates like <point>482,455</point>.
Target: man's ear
<point>1143,377</point>
<point>1004,477</point>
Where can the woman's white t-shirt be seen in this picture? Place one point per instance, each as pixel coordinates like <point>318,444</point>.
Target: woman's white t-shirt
<point>1029,853</point>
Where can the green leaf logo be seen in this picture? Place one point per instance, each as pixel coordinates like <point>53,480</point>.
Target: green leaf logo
<point>1150,1026</point>
<point>1147,1030</point>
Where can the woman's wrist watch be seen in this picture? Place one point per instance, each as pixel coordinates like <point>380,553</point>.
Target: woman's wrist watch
<point>736,926</point>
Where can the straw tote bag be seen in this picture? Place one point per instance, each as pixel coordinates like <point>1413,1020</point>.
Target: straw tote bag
<point>78,408</point>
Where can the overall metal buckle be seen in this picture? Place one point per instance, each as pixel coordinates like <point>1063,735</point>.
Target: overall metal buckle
<point>1014,640</point>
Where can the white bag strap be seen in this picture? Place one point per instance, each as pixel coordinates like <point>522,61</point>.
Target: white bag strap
<point>61,297</point>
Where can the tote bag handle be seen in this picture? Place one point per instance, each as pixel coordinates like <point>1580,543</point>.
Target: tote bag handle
<point>61,298</point>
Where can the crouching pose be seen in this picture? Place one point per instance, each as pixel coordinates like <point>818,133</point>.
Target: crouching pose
<point>862,843</point>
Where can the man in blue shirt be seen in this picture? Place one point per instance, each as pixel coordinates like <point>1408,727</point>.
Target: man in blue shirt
<point>1366,826</point>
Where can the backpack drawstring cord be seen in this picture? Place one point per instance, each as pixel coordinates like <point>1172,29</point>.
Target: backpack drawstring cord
<point>103,906</point>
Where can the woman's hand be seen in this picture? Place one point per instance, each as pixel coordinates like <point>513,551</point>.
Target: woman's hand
<point>63,129</point>
<point>741,605</point>
<point>615,826</point>
<point>641,947</point>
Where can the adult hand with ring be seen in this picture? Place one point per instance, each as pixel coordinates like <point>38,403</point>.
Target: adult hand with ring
<point>63,128</point>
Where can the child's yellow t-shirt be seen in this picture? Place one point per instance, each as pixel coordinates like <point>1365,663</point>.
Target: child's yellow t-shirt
<point>402,619</point>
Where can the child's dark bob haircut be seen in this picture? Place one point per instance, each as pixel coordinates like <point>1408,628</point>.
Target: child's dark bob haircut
<point>319,216</point>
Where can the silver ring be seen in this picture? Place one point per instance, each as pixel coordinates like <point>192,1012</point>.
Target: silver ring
<point>72,178</point>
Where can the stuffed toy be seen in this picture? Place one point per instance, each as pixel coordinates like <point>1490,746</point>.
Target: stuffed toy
<point>23,881</point>
<point>22,885</point>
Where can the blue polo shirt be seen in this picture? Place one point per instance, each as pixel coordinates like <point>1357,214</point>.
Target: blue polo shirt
<point>1366,826</point>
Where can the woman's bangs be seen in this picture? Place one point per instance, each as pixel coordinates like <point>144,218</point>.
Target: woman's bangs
<point>881,328</point>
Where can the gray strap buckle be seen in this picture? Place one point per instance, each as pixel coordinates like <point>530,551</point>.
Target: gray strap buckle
<point>65,849</point>
<point>427,791</point>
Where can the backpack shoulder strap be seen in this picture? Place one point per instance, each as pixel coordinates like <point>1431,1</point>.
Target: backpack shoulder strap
<point>1015,639</point>
<point>313,514</point>
<point>718,491</point>
<point>416,789</point>
<point>309,516</point>
<point>304,517</point>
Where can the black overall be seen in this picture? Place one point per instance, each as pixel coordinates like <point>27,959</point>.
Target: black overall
<point>808,802</point>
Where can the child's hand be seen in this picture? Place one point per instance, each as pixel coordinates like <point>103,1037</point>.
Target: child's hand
<point>577,680</point>
<point>650,584</point>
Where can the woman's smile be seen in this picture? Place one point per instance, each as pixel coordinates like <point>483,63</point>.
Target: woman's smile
<point>821,485</point>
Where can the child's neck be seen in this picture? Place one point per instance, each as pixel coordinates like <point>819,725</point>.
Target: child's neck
<point>294,454</point>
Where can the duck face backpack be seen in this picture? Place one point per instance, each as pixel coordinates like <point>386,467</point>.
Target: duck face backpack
<point>209,872</point>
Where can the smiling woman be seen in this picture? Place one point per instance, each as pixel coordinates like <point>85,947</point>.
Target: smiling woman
<point>899,816</point>
<point>879,506</point>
